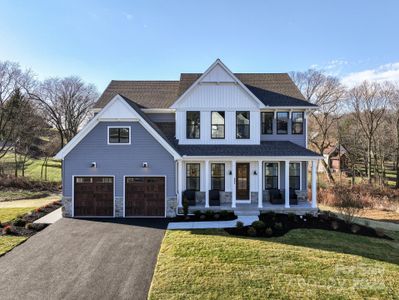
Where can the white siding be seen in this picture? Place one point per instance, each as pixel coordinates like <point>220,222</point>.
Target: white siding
<point>218,74</point>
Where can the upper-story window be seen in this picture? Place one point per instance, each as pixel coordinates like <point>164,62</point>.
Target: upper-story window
<point>297,122</point>
<point>242,125</point>
<point>119,135</point>
<point>193,124</point>
<point>282,122</point>
<point>267,122</point>
<point>217,125</point>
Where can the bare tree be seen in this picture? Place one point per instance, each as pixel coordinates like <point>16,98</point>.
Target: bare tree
<point>66,102</point>
<point>328,93</point>
<point>394,105</point>
<point>369,102</point>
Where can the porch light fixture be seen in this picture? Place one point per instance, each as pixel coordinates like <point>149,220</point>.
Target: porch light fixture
<point>255,173</point>
<point>145,164</point>
<point>230,173</point>
<point>93,165</point>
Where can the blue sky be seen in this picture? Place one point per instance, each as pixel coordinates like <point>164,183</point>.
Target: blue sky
<point>105,40</point>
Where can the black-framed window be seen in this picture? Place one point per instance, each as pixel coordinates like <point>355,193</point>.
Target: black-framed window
<point>193,119</point>
<point>271,175</point>
<point>242,125</point>
<point>282,122</point>
<point>217,125</point>
<point>297,122</point>
<point>295,176</point>
<point>118,135</point>
<point>193,176</point>
<point>217,177</point>
<point>267,122</point>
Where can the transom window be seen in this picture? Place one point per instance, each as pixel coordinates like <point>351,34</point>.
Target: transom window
<point>297,122</point>
<point>118,135</point>
<point>217,125</point>
<point>271,175</point>
<point>217,177</point>
<point>193,177</point>
<point>282,122</point>
<point>295,176</point>
<point>193,124</point>
<point>242,125</point>
<point>267,122</point>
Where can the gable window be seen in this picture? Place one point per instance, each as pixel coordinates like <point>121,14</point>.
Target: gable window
<point>282,122</point>
<point>242,125</point>
<point>271,175</point>
<point>267,122</point>
<point>295,176</point>
<point>193,177</point>
<point>297,122</point>
<point>193,124</point>
<point>217,125</point>
<point>217,177</point>
<point>118,135</point>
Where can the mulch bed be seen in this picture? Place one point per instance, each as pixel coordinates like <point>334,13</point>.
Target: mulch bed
<point>274,225</point>
<point>23,225</point>
<point>199,216</point>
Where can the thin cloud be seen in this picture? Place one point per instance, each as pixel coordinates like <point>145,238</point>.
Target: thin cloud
<point>128,16</point>
<point>387,72</point>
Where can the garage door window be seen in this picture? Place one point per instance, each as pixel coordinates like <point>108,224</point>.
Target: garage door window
<point>84,180</point>
<point>119,135</point>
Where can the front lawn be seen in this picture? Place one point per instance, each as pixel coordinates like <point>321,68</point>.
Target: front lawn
<point>10,213</point>
<point>304,263</point>
<point>9,242</point>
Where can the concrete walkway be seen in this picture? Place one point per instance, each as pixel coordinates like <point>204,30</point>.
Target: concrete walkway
<point>247,220</point>
<point>51,218</point>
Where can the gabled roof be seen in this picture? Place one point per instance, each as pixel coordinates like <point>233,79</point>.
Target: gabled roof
<point>272,89</point>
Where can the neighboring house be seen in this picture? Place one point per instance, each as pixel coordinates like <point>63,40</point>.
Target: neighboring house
<point>336,158</point>
<point>218,139</point>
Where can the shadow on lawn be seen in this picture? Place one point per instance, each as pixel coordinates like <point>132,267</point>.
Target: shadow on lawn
<point>338,242</point>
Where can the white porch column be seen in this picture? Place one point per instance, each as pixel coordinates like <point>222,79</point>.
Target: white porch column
<point>287,183</point>
<point>180,183</point>
<point>207,175</point>
<point>314,184</point>
<point>260,184</point>
<point>233,184</point>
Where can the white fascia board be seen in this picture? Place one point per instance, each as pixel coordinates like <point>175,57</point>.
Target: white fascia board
<point>158,110</point>
<point>99,118</point>
<point>293,108</point>
<point>220,63</point>
<point>254,158</point>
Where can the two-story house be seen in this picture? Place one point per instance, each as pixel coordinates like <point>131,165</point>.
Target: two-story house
<point>217,139</point>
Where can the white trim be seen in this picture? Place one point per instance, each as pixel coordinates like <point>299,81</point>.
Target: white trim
<point>253,158</point>
<point>98,118</point>
<point>314,184</point>
<point>217,62</point>
<point>288,107</point>
<point>158,110</point>
<point>124,195</point>
<point>130,135</point>
<point>73,195</point>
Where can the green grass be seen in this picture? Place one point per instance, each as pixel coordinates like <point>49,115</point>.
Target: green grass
<point>303,264</point>
<point>9,242</point>
<point>8,195</point>
<point>10,213</point>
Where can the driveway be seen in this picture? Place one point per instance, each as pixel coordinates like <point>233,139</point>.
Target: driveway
<point>84,259</point>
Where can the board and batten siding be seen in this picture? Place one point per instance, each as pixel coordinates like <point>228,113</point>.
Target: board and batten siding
<point>119,160</point>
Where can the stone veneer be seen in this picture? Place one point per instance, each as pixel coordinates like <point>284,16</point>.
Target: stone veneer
<point>225,197</point>
<point>118,207</point>
<point>254,197</point>
<point>171,206</point>
<point>66,207</point>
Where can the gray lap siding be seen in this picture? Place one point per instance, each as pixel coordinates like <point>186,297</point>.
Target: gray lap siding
<point>119,160</point>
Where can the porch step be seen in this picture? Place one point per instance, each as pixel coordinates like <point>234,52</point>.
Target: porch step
<point>246,212</point>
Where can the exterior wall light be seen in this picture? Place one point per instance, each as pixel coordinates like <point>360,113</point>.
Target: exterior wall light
<point>145,164</point>
<point>230,173</point>
<point>93,165</point>
<point>255,173</point>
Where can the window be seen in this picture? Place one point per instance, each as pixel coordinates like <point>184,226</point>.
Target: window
<point>267,122</point>
<point>242,124</point>
<point>297,122</point>
<point>271,175</point>
<point>118,135</point>
<point>217,177</point>
<point>282,122</point>
<point>193,124</point>
<point>295,176</point>
<point>84,179</point>
<point>193,177</point>
<point>217,125</point>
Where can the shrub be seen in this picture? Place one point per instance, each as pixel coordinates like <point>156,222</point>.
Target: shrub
<point>25,183</point>
<point>185,206</point>
<point>1,225</point>
<point>224,214</point>
<point>355,228</point>
<point>197,213</point>
<point>334,225</point>
<point>292,217</point>
<point>19,222</point>
<point>268,231</point>
<point>8,229</point>
<point>258,225</point>
<point>239,224</point>
<point>278,226</point>
<point>251,231</point>
<point>29,226</point>
<point>35,226</point>
<point>202,217</point>
<point>216,216</point>
<point>348,203</point>
<point>39,210</point>
<point>209,214</point>
<point>379,232</point>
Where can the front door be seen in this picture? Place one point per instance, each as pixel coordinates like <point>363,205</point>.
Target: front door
<point>242,186</point>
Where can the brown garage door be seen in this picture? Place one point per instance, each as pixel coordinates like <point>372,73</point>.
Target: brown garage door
<point>145,196</point>
<point>94,196</point>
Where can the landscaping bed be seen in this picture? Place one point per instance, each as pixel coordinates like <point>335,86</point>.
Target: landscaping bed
<point>274,225</point>
<point>208,215</point>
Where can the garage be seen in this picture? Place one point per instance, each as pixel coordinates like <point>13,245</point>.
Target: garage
<point>144,196</point>
<point>93,196</point>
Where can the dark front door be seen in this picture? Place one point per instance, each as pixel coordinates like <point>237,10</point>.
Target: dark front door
<point>242,185</point>
<point>94,196</point>
<point>145,196</point>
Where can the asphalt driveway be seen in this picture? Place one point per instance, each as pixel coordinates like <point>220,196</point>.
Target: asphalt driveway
<point>84,259</point>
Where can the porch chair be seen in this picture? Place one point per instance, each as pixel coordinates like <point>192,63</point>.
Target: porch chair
<point>190,196</point>
<point>214,198</point>
<point>293,197</point>
<point>275,196</point>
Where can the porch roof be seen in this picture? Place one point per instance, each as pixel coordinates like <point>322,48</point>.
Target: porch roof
<point>268,148</point>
